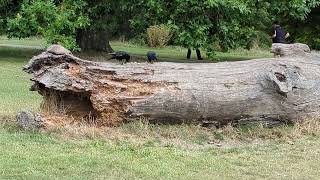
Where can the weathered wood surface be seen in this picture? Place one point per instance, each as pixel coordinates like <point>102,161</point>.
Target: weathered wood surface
<point>296,49</point>
<point>268,90</point>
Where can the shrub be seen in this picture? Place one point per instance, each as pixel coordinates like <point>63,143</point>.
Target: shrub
<point>57,23</point>
<point>139,40</point>
<point>158,35</point>
<point>316,44</point>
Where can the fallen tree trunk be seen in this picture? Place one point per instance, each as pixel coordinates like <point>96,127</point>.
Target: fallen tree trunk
<point>268,90</point>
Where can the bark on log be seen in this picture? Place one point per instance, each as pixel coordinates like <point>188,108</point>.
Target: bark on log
<point>268,90</point>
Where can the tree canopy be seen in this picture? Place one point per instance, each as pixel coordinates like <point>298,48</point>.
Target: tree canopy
<point>194,23</point>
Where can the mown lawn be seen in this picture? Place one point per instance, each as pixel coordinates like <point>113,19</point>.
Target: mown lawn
<point>179,53</point>
<point>14,83</point>
<point>27,41</point>
<point>49,155</point>
<point>25,155</point>
<point>165,54</point>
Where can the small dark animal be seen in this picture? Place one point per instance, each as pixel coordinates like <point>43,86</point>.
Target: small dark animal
<point>152,56</point>
<point>121,56</point>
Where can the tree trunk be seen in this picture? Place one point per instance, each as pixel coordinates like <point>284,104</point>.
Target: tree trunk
<point>267,90</point>
<point>93,40</point>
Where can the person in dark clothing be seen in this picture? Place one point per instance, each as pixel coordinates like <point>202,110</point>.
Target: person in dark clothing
<point>279,35</point>
<point>198,54</point>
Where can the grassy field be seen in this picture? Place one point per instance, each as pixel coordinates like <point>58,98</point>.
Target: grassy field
<point>178,53</point>
<point>140,150</point>
<point>14,84</point>
<point>26,155</point>
<point>165,54</point>
<point>38,42</point>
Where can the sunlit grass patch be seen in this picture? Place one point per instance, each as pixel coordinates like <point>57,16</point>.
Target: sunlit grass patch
<point>32,41</point>
<point>179,53</point>
<point>15,84</point>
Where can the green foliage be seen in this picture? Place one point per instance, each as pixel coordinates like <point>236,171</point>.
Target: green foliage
<point>194,23</point>
<point>234,24</point>
<point>58,22</point>
<point>307,31</point>
<point>311,37</point>
<point>32,20</point>
<point>294,9</point>
<point>7,9</point>
<point>139,40</point>
<point>301,18</point>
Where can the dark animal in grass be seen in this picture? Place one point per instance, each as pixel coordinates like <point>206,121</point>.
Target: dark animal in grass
<point>152,56</point>
<point>121,56</point>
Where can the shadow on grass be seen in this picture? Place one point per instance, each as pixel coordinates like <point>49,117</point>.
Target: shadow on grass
<point>23,53</point>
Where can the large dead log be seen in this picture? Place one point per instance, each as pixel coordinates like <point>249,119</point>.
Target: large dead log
<point>268,90</point>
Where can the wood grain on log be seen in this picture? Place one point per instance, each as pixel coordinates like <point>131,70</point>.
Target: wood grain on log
<point>269,90</point>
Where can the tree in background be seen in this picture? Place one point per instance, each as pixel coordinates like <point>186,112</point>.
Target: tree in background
<point>89,24</point>
<point>79,24</point>
<point>307,31</point>
<point>231,24</point>
<point>57,21</point>
<point>199,23</point>
<point>8,8</point>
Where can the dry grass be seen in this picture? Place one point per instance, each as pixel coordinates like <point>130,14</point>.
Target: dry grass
<point>50,104</point>
<point>184,136</point>
<point>306,127</point>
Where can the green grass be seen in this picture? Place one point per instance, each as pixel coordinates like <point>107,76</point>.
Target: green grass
<point>14,83</point>
<point>165,54</point>
<point>39,156</point>
<point>179,53</point>
<point>139,150</point>
<point>34,41</point>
